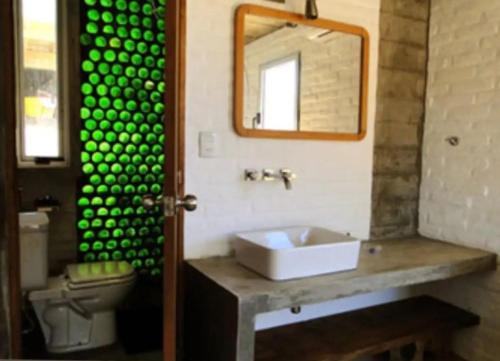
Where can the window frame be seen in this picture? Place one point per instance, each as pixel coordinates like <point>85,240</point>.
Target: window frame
<point>64,160</point>
<point>295,57</point>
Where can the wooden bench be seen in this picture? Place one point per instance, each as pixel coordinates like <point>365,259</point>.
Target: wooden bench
<point>401,330</point>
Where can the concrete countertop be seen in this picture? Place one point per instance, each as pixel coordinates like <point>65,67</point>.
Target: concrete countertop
<point>401,262</point>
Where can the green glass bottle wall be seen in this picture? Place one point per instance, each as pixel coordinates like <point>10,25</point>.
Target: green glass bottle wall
<point>122,137</point>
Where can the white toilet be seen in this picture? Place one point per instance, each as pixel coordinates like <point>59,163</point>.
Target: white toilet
<point>76,310</point>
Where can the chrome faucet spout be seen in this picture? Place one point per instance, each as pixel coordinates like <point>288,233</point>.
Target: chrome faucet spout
<point>287,176</point>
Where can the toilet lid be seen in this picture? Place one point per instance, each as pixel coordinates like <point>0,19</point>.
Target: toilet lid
<point>84,273</point>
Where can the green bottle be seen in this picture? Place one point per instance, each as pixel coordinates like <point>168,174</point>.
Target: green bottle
<point>104,124</point>
<point>102,212</point>
<point>108,29</point>
<point>100,41</point>
<point>88,168</point>
<point>148,35</point>
<point>136,34</point>
<point>107,17</point>
<point>85,157</point>
<point>134,7</point>
<point>110,201</point>
<point>85,39</point>
<point>111,245</point>
<point>94,78</point>
<point>121,5</point>
<point>126,243</point>
<point>83,224</point>
<point>110,158</point>
<point>84,247</point>
<point>97,135</point>
<point>104,147</point>
<point>102,189</point>
<point>96,201</point>
<point>110,55</point>
<point>97,157</point>
<point>134,20</point>
<point>95,179</point>
<point>115,42</point>
<point>88,189</point>
<point>88,213</point>
<point>103,169</point>
<point>89,101</point>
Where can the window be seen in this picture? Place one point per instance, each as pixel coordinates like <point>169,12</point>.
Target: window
<point>41,126</point>
<point>280,82</point>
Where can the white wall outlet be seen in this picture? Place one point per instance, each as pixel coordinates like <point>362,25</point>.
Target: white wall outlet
<point>209,145</point>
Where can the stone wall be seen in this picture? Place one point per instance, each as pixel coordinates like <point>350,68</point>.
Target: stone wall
<point>460,194</point>
<point>399,119</point>
<point>330,68</point>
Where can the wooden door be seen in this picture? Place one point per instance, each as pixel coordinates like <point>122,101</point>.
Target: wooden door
<point>173,187</point>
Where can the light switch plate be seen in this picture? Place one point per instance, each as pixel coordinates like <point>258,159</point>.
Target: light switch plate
<point>209,145</point>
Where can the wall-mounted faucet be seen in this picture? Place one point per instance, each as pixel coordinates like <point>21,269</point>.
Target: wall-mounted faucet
<point>287,176</point>
<point>269,175</point>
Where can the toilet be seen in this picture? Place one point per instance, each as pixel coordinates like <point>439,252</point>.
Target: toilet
<point>76,310</point>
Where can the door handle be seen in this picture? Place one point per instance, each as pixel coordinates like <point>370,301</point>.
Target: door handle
<point>171,205</point>
<point>189,203</point>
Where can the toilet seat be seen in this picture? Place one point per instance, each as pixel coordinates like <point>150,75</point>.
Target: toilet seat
<point>85,276</point>
<point>97,274</point>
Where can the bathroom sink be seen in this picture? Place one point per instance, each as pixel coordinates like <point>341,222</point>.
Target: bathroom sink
<point>296,252</point>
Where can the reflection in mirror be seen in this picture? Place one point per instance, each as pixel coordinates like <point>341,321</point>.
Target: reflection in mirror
<point>297,78</point>
<point>300,78</point>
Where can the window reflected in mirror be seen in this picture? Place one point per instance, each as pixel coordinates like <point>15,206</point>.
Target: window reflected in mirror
<point>301,78</point>
<point>278,94</point>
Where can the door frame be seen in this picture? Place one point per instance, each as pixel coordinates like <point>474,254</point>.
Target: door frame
<point>8,217</point>
<point>175,31</point>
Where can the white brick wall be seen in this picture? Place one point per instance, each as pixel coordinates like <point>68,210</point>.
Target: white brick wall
<point>330,76</point>
<point>333,188</point>
<point>460,198</point>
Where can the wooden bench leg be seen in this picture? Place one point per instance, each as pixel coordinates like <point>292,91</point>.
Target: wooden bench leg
<point>419,352</point>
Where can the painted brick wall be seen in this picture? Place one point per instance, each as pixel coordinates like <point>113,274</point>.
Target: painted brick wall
<point>399,119</point>
<point>460,194</point>
<point>333,188</point>
<point>329,81</point>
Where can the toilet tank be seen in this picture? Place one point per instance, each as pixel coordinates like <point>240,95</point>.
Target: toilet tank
<point>33,238</point>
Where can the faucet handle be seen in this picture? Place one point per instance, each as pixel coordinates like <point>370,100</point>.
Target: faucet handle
<point>269,174</point>
<point>251,175</point>
<point>286,172</point>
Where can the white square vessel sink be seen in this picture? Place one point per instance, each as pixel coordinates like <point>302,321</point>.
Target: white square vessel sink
<point>296,252</point>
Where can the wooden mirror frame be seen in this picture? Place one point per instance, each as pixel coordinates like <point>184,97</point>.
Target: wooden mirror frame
<point>239,80</point>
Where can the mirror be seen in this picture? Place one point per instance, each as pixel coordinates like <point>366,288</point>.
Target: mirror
<point>298,78</point>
